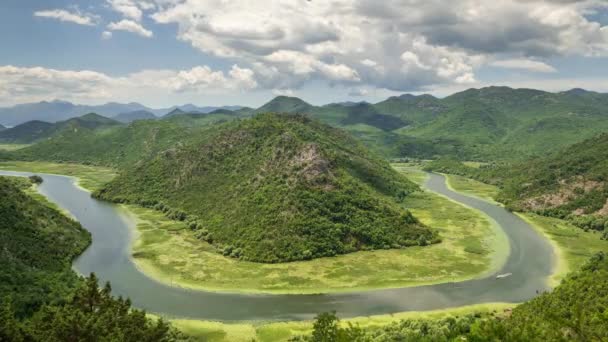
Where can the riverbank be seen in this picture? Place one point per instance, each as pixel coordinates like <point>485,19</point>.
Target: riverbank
<point>210,331</point>
<point>88,177</point>
<point>572,245</point>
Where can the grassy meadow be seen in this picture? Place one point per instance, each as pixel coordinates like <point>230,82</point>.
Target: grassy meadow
<point>89,177</point>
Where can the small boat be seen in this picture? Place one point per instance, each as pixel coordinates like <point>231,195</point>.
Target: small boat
<point>504,275</point>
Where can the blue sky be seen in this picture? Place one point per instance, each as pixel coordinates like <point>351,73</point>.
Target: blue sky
<point>212,52</point>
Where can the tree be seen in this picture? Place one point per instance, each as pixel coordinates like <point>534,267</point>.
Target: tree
<point>10,328</point>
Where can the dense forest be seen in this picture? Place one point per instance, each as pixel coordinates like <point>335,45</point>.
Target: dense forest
<point>277,188</point>
<point>41,298</point>
<point>577,310</point>
<point>37,246</point>
<point>89,313</point>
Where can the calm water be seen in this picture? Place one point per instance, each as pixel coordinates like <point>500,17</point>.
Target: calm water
<point>530,262</point>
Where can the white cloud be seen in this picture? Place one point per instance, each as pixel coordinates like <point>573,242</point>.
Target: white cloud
<point>524,64</point>
<point>127,8</point>
<point>19,84</point>
<point>130,26</point>
<point>397,45</point>
<point>23,84</point>
<point>67,16</point>
<point>105,35</point>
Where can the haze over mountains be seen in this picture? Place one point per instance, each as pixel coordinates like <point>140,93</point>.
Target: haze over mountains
<point>58,110</point>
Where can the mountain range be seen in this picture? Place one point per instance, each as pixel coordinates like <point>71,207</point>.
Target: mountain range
<point>492,123</point>
<point>57,110</point>
<point>33,131</point>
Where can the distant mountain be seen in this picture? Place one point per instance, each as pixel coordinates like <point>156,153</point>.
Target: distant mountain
<point>2,128</point>
<point>135,115</point>
<point>33,131</point>
<point>365,113</point>
<point>190,108</point>
<point>285,104</point>
<point>119,145</point>
<point>337,114</point>
<point>412,108</point>
<point>60,110</point>
<point>174,112</point>
<point>57,110</point>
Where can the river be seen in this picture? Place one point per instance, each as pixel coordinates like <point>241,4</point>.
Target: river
<point>530,262</point>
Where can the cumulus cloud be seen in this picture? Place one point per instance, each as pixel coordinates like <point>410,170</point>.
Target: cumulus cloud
<point>524,64</point>
<point>27,84</point>
<point>75,17</point>
<point>19,84</point>
<point>396,45</point>
<point>202,78</point>
<point>130,26</point>
<point>128,8</point>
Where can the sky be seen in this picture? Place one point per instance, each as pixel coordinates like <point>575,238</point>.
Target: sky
<point>242,52</point>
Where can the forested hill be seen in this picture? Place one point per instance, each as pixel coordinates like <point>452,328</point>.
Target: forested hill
<point>277,188</point>
<point>572,183</point>
<point>37,246</point>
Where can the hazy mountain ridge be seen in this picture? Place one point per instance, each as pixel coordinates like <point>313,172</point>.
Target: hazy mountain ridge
<point>33,131</point>
<point>57,110</point>
<point>128,117</point>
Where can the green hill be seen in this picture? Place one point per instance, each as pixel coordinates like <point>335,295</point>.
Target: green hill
<point>410,108</point>
<point>27,132</point>
<point>116,146</point>
<point>505,123</point>
<point>571,183</point>
<point>277,188</point>
<point>37,246</point>
<point>33,131</point>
